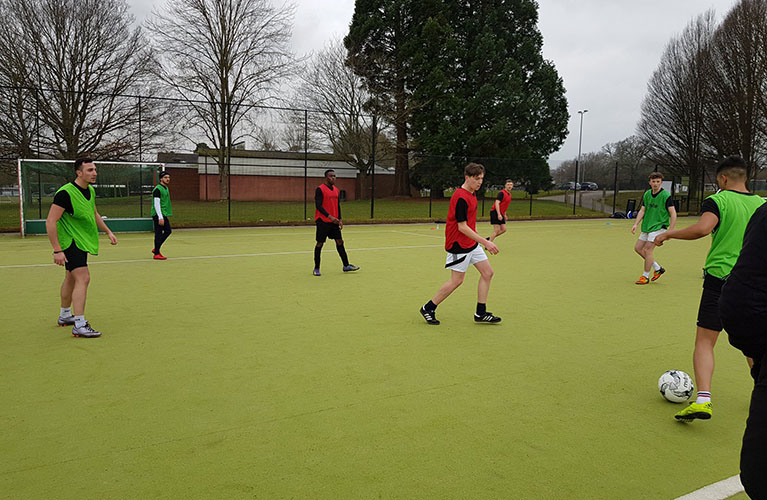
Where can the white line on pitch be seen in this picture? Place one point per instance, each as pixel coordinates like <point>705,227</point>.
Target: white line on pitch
<point>228,256</point>
<point>418,234</point>
<point>717,491</point>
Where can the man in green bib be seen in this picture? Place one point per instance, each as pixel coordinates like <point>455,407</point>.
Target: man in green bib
<point>73,225</point>
<point>724,216</point>
<point>656,216</point>
<point>161,213</point>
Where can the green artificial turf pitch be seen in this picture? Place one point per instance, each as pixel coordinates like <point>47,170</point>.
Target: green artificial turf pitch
<point>229,371</point>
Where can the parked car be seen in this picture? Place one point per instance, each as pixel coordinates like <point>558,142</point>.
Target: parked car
<point>567,186</point>
<point>589,186</point>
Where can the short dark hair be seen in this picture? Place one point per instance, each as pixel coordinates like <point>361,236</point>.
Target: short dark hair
<point>473,169</point>
<point>328,171</point>
<point>163,174</point>
<point>509,180</point>
<point>733,166</point>
<point>79,162</point>
<point>656,175</point>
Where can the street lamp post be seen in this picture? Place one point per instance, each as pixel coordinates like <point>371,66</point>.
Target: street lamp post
<point>578,161</point>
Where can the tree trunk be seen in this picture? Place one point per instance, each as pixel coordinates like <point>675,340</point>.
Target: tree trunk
<point>364,193</point>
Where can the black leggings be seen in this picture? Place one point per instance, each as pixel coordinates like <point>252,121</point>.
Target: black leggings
<point>161,233</point>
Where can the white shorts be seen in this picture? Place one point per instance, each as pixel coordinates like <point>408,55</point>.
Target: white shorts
<point>461,261</point>
<point>650,236</point>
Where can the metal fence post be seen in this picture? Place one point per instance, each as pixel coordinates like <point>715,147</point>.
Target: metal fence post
<point>575,187</point>
<point>140,157</point>
<point>615,186</point>
<point>306,157</point>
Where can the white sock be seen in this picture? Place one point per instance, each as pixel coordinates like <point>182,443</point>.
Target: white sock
<point>646,274</point>
<point>79,321</point>
<point>66,311</point>
<point>703,397</point>
<point>656,266</point>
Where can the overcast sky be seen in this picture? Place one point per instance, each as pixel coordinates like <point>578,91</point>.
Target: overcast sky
<point>604,50</point>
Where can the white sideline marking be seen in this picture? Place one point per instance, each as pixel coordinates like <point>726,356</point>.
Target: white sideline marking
<point>226,256</point>
<point>717,491</point>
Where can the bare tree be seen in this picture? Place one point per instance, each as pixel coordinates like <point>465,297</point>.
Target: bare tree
<point>337,98</point>
<point>631,155</point>
<point>18,126</point>
<point>223,57</point>
<point>737,84</point>
<point>673,118</point>
<point>87,58</point>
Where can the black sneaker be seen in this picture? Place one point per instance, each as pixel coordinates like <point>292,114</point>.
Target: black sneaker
<point>429,316</point>
<point>488,317</point>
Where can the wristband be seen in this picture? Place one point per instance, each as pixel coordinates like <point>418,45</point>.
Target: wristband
<point>57,251</point>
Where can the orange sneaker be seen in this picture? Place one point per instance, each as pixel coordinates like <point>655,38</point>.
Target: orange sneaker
<point>643,280</point>
<point>657,274</point>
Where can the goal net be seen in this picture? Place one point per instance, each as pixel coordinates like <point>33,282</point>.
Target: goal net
<point>123,192</point>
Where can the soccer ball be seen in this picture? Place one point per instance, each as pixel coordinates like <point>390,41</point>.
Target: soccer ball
<point>676,386</point>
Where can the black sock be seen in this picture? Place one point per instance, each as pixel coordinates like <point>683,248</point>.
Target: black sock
<point>317,252</point>
<point>430,306</point>
<point>481,309</point>
<point>342,253</point>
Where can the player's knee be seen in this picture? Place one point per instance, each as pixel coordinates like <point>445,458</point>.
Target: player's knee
<point>82,278</point>
<point>340,243</point>
<point>319,244</point>
<point>488,273</point>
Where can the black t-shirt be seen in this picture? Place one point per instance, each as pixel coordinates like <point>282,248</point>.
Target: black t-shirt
<point>461,211</point>
<point>62,198</point>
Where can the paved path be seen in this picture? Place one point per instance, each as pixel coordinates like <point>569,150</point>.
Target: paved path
<point>588,200</point>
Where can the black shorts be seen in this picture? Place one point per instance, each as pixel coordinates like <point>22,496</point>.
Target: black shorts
<point>327,230</point>
<point>75,257</point>
<point>708,311</point>
<point>494,220</point>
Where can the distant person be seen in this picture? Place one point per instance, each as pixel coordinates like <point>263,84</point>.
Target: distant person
<point>743,309</point>
<point>161,214</point>
<point>498,212</point>
<point>462,246</point>
<point>657,215</point>
<point>724,216</point>
<point>327,217</point>
<point>73,225</point>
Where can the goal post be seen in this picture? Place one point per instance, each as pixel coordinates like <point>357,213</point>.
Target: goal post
<point>123,192</point>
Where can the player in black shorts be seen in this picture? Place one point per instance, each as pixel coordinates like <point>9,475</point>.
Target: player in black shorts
<point>327,216</point>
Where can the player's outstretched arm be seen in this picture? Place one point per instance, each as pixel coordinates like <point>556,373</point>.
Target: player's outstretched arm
<point>464,228</point>
<point>54,214</point>
<point>703,227</point>
<point>103,226</point>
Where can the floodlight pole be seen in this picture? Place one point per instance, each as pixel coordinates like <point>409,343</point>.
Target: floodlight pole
<point>580,138</point>
<point>578,161</point>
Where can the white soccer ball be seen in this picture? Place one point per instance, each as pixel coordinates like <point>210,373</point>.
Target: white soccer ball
<point>676,386</point>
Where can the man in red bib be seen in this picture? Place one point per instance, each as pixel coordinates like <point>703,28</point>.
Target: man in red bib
<point>462,246</point>
<point>498,212</point>
<point>327,216</point>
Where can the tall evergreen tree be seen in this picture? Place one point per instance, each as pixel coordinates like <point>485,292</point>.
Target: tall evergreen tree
<point>485,90</point>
